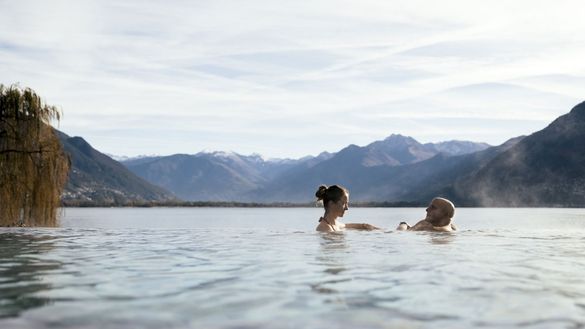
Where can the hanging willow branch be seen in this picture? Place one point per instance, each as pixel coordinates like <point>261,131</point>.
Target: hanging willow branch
<point>33,166</point>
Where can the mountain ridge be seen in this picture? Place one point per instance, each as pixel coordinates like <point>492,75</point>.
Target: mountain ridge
<point>545,168</point>
<point>265,177</point>
<point>97,179</point>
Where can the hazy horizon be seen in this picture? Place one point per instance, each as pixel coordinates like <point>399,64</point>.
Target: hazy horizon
<point>286,80</point>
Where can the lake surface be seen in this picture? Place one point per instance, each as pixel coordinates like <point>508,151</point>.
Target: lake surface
<point>267,268</point>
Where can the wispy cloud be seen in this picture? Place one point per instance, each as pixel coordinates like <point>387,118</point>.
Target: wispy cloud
<point>287,79</point>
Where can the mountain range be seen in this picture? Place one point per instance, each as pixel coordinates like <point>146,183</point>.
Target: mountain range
<point>221,176</point>
<point>97,179</point>
<point>546,168</point>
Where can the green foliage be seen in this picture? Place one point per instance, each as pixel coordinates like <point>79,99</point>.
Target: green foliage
<point>33,167</point>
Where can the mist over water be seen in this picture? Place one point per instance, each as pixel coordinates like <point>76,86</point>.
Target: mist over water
<point>267,268</point>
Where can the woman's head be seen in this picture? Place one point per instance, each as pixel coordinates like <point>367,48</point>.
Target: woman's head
<point>334,197</point>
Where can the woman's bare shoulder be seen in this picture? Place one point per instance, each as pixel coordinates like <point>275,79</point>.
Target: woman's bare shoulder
<point>324,227</point>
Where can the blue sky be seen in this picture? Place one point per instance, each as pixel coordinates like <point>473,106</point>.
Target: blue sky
<point>292,78</point>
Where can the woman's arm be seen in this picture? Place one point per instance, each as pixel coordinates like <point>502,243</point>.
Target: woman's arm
<point>361,226</point>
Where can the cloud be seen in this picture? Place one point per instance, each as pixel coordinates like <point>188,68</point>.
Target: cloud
<point>253,76</point>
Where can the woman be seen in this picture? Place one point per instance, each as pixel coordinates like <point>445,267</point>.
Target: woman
<point>335,201</point>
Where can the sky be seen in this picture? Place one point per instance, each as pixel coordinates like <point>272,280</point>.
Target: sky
<point>286,79</point>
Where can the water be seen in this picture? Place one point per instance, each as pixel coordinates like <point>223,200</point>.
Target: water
<point>267,268</point>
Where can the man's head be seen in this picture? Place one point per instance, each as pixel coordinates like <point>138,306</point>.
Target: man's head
<point>440,211</point>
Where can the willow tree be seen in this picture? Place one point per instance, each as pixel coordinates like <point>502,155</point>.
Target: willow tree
<point>33,166</point>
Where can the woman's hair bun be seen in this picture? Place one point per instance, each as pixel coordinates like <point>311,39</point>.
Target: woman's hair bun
<point>320,194</point>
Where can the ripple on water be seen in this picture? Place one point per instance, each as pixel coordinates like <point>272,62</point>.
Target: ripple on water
<point>287,278</point>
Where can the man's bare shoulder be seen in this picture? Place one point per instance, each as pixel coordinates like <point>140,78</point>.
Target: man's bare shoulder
<point>422,225</point>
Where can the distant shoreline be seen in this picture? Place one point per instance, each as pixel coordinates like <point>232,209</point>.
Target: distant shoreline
<point>228,204</point>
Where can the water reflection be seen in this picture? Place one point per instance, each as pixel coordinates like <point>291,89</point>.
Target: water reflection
<point>332,241</point>
<point>442,238</point>
<point>21,272</point>
<point>332,257</point>
<point>333,248</point>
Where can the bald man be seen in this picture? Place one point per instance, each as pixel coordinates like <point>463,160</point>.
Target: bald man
<point>439,216</point>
